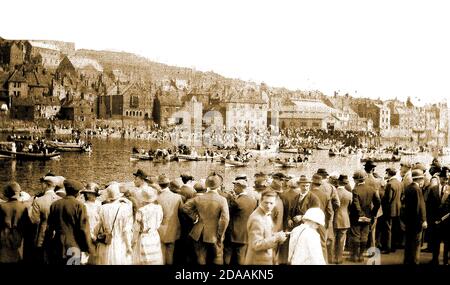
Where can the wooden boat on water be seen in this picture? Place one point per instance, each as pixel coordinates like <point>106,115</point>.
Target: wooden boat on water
<point>235,163</point>
<point>189,157</point>
<point>408,152</point>
<point>155,159</point>
<point>70,147</point>
<point>30,155</point>
<point>382,159</point>
<point>296,151</point>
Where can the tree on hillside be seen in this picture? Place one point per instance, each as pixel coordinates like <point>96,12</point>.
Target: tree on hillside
<point>156,112</point>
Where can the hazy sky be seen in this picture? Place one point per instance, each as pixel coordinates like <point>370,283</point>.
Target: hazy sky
<point>378,48</point>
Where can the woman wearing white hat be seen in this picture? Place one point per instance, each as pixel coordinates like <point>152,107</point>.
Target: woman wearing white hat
<point>146,241</point>
<point>114,228</point>
<point>304,243</point>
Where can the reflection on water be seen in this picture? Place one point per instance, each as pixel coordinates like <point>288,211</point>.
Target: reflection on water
<point>110,161</point>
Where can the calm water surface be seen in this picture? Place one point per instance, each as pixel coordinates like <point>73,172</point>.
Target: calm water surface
<point>110,161</point>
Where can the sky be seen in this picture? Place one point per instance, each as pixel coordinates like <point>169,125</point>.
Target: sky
<point>377,49</point>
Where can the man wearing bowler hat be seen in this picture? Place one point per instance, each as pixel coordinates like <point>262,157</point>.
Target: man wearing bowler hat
<point>341,221</point>
<point>433,202</point>
<point>364,207</point>
<point>211,217</point>
<point>373,182</point>
<point>326,206</point>
<point>415,218</point>
<point>391,204</point>
<point>68,234</point>
<point>333,199</point>
<point>302,202</point>
<point>241,207</point>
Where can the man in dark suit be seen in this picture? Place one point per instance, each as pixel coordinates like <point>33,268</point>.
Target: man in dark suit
<point>68,233</point>
<point>371,181</point>
<point>241,207</point>
<point>326,206</point>
<point>414,218</point>
<point>391,205</point>
<point>363,210</point>
<point>210,214</point>
<point>433,203</point>
<point>302,202</point>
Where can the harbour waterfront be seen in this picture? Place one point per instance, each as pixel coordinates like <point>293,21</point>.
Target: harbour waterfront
<point>110,161</point>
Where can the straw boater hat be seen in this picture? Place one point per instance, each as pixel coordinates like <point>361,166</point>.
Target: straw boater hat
<point>241,177</point>
<point>92,187</point>
<point>113,192</point>
<point>242,183</point>
<point>315,215</point>
<point>417,174</point>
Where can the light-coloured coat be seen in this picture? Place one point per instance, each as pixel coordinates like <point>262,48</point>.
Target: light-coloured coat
<point>39,212</point>
<point>304,246</point>
<point>261,239</point>
<point>341,215</point>
<point>171,203</point>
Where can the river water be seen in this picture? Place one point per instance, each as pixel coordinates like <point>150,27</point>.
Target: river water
<point>110,161</point>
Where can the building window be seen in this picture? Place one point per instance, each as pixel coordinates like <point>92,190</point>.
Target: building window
<point>126,113</point>
<point>134,101</point>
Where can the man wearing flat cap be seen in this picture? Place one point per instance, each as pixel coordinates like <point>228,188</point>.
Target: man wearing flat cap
<point>14,222</point>
<point>170,228</point>
<point>39,212</point>
<point>241,207</point>
<point>210,214</point>
<point>433,201</point>
<point>68,233</point>
<point>391,204</point>
<point>364,208</point>
<point>414,217</point>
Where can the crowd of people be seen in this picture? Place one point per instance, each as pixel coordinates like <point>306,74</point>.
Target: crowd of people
<point>278,220</point>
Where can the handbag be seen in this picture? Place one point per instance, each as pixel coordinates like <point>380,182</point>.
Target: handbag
<point>105,237</point>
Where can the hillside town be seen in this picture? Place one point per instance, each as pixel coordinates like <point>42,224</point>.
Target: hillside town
<point>52,84</point>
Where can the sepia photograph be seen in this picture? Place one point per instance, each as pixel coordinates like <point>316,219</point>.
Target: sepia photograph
<point>232,133</point>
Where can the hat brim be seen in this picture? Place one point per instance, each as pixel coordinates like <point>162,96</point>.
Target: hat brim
<point>418,177</point>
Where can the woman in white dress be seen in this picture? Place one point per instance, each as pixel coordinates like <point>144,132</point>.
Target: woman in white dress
<point>304,243</point>
<point>146,240</point>
<point>115,217</point>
